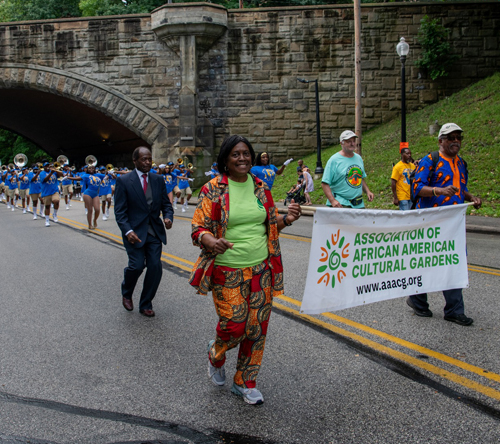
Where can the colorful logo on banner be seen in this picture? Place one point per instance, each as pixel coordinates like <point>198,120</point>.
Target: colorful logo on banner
<point>332,262</point>
<point>353,176</point>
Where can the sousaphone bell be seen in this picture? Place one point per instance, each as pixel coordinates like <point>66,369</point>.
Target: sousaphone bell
<point>91,160</point>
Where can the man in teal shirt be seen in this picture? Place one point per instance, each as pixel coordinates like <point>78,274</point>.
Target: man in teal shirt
<point>344,177</point>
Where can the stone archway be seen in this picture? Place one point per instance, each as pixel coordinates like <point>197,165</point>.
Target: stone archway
<point>134,116</point>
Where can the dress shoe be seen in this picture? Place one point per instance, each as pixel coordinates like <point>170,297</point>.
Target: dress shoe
<point>148,313</point>
<point>128,304</point>
<point>422,313</point>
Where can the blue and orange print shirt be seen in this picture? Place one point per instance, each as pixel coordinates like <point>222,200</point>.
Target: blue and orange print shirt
<point>448,172</point>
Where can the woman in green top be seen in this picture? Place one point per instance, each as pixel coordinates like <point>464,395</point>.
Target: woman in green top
<point>236,225</point>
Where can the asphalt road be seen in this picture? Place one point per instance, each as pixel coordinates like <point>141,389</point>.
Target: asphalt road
<point>75,367</point>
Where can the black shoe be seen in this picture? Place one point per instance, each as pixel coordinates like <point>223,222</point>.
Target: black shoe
<point>423,313</point>
<point>460,319</point>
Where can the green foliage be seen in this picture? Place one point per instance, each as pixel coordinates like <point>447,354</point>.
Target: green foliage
<point>436,48</point>
<point>15,10</point>
<point>12,144</point>
<point>474,109</point>
<point>114,7</point>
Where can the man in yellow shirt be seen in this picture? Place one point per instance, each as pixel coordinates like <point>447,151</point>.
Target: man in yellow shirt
<point>400,181</point>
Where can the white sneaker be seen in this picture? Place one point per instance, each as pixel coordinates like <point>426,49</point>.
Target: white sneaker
<point>175,206</point>
<point>183,209</point>
<point>24,210</point>
<point>67,207</point>
<point>47,223</point>
<point>55,219</point>
<point>8,205</point>
<point>12,208</point>
<point>86,211</point>
<point>250,396</point>
<point>34,216</point>
<point>104,217</point>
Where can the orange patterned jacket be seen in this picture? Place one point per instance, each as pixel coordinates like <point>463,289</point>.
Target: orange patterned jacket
<point>211,216</point>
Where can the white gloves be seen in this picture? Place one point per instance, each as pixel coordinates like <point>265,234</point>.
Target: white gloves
<point>286,162</point>
<point>190,180</point>
<point>207,173</point>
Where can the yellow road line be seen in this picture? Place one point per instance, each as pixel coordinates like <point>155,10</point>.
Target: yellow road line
<point>409,345</point>
<point>484,270</point>
<point>465,382</point>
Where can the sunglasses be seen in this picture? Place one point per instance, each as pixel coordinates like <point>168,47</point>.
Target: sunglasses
<point>454,137</point>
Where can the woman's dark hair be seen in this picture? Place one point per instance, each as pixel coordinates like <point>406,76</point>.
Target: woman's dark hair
<point>258,159</point>
<point>227,147</point>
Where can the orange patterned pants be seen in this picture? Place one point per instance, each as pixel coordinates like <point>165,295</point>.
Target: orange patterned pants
<point>243,300</point>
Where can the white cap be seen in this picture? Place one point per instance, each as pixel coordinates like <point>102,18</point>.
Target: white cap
<point>347,134</point>
<point>162,165</point>
<point>448,128</point>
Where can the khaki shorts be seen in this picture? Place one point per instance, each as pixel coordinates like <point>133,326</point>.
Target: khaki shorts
<point>184,192</point>
<point>24,193</point>
<point>48,200</point>
<point>67,190</point>
<point>2,187</point>
<point>105,197</point>
<point>12,193</point>
<point>35,196</point>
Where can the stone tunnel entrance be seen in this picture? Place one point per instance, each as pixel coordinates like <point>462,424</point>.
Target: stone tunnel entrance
<point>60,125</point>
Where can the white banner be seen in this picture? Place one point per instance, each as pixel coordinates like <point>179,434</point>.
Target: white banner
<point>363,256</point>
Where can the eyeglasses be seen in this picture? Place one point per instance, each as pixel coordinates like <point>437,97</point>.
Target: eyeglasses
<point>453,137</point>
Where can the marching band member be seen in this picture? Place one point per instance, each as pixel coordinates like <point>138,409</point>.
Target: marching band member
<point>24,184</point>
<point>105,191</point>
<point>67,185</point>
<point>11,181</point>
<point>183,189</point>
<point>35,189</point>
<point>50,191</point>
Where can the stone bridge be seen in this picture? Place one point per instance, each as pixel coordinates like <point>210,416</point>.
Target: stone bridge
<point>182,78</point>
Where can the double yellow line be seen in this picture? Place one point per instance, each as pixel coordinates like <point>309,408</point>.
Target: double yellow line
<point>416,362</point>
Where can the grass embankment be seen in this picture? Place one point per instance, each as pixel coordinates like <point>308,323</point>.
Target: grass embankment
<point>475,109</point>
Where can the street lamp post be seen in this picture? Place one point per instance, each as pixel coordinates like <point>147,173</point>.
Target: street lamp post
<point>319,165</point>
<point>402,49</point>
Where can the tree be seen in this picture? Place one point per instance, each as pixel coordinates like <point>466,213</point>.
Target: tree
<point>15,10</point>
<point>12,144</point>
<point>437,56</point>
<point>113,7</point>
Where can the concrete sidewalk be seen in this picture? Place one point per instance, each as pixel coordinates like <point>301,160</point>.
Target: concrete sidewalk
<point>474,224</point>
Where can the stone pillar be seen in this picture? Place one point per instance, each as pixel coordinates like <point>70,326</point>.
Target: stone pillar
<point>190,30</point>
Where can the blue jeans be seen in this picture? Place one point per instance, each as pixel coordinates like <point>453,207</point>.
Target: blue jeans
<point>405,205</point>
<point>454,302</point>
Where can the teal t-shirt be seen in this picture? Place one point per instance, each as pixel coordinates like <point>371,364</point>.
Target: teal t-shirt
<point>246,228</point>
<point>344,175</point>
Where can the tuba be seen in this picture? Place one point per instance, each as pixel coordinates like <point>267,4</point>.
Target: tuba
<point>91,160</point>
<point>20,160</point>
<point>63,160</point>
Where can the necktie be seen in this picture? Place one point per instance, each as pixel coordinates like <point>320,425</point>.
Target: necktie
<point>145,182</point>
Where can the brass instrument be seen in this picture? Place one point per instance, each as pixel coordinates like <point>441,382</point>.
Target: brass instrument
<point>110,167</point>
<point>91,160</point>
<point>20,160</point>
<point>57,166</point>
<point>62,160</point>
<point>11,166</point>
<point>180,161</point>
<point>191,167</point>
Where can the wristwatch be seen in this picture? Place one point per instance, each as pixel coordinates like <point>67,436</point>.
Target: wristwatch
<point>285,222</point>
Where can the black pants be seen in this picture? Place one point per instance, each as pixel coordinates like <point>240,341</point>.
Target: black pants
<point>149,256</point>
